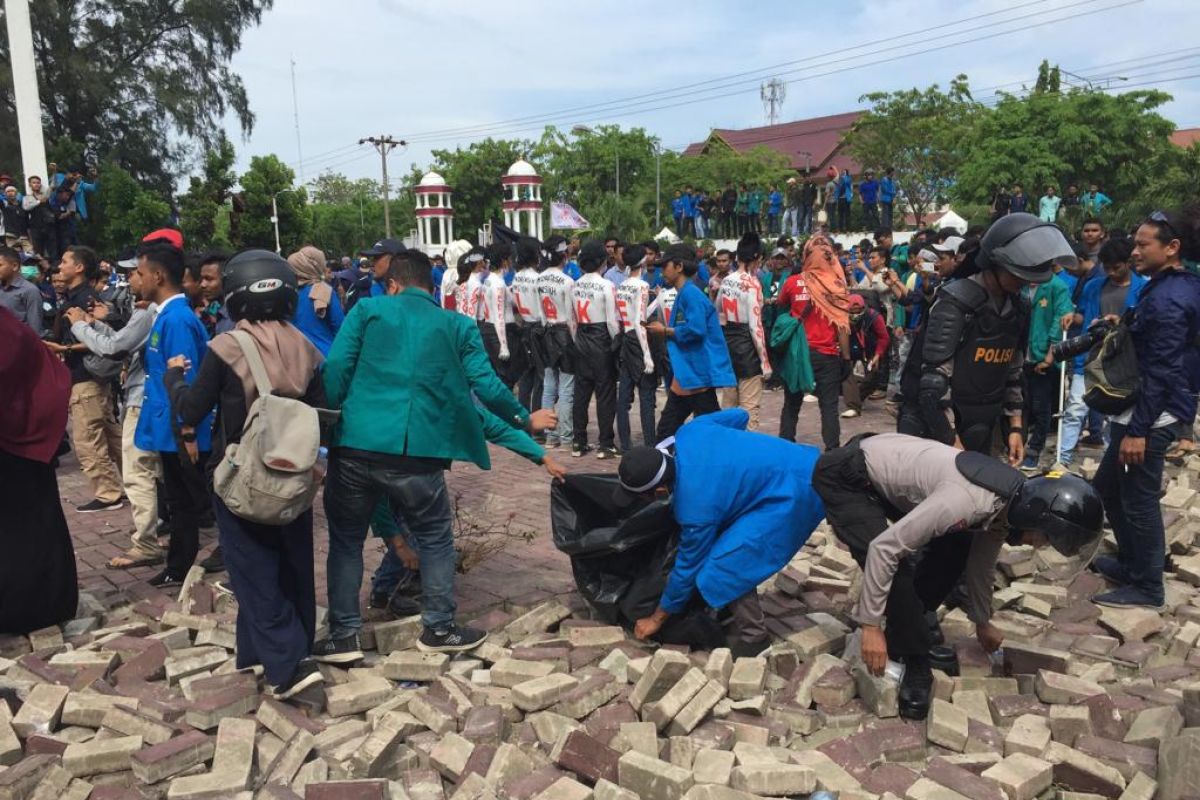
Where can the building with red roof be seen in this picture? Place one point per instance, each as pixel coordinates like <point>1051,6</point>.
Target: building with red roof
<point>1185,137</point>
<point>814,144</point>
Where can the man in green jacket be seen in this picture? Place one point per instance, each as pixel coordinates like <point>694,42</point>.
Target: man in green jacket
<point>1052,313</point>
<point>402,371</point>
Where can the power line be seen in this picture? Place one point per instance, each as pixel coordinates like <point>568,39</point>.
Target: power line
<point>855,66</point>
<point>754,75</point>
<point>385,144</point>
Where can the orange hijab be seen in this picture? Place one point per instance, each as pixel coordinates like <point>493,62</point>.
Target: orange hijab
<point>826,282</point>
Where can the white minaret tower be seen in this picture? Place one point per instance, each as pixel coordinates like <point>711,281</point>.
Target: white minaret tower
<point>523,199</point>
<point>435,214</point>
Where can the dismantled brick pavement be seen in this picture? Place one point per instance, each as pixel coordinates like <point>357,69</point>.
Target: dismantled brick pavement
<point>138,696</point>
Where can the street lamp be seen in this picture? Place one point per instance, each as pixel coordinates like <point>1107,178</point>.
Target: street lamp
<point>275,220</point>
<point>580,130</point>
<point>657,182</point>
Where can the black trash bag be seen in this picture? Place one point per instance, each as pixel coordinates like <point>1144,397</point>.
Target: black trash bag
<point>621,558</point>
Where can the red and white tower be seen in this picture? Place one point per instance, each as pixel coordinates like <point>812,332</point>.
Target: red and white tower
<point>523,199</point>
<point>435,214</point>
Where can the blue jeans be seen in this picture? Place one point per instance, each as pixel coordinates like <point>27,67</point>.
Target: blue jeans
<point>1074,416</point>
<point>791,226</point>
<point>1130,495</point>
<point>558,392</point>
<point>701,228</point>
<point>353,487</point>
<point>804,225</point>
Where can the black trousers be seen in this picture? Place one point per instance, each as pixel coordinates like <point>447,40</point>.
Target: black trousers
<point>1040,389</point>
<point>858,515</point>
<point>646,386</point>
<point>679,407</point>
<point>187,497</point>
<point>602,382</point>
<point>827,370</point>
<point>271,569</point>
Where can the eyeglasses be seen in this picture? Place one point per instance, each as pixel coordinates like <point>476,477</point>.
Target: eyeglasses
<point>1161,219</point>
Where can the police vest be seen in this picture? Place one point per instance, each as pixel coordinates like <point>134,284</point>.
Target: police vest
<point>990,341</point>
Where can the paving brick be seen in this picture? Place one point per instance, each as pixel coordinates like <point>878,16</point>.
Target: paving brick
<point>131,723</point>
<point>1131,624</point>
<point>232,763</point>
<point>713,766</point>
<point>539,693</point>
<point>508,763</point>
<point>607,790</point>
<point>925,789</point>
<point>397,634</point>
<point>958,779</point>
<point>1179,767</point>
<point>1030,734</point>
<point>1154,725</point>
<point>158,762</point>
<point>1021,776</point>
<point>20,780</point>
<point>284,720</point>
<point>1067,723</point>
<point>100,756</point>
<point>450,755</point>
<point>592,693</point>
<point>436,714</point>
<point>697,708</point>
<point>665,668</point>
<point>1054,687</point>
<point>830,776</point>
<point>372,755</point>
<point>356,696</point>
<point>947,725</point>
<point>1082,773</point>
<point>774,779</point>
<point>508,672</point>
<point>747,678</point>
<point>719,666</point>
<point>287,763</point>
<point>565,789</point>
<point>1140,788</point>
<point>880,693</point>
<point>538,620</point>
<point>662,711</point>
<point>652,779</point>
<point>88,708</point>
<point>41,711</point>
<point>347,790</point>
<point>586,756</point>
<point>598,636</point>
<point>414,666</point>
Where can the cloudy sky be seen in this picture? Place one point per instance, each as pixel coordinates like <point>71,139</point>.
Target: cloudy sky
<point>447,73</point>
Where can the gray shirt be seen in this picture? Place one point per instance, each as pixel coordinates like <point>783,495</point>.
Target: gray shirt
<point>104,341</point>
<point>23,299</point>
<point>919,478</point>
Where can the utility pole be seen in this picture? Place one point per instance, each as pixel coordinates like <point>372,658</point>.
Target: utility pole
<point>296,117</point>
<point>25,90</point>
<point>384,145</point>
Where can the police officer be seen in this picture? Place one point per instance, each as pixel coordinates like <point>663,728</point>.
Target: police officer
<point>889,496</point>
<point>969,355</point>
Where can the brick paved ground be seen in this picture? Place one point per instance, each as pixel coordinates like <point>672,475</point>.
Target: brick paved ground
<point>525,572</point>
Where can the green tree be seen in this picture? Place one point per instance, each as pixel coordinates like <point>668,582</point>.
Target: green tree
<point>1080,136</point>
<point>269,177</point>
<point>207,194</point>
<point>919,133</point>
<point>335,188</point>
<point>136,81</point>
<point>1049,79</point>
<point>123,212</point>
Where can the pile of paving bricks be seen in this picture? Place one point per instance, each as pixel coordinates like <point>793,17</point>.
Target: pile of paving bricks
<point>144,701</point>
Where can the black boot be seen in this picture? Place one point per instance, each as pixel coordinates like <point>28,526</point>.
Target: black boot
<point>916,689</point>
<point>935,628</point>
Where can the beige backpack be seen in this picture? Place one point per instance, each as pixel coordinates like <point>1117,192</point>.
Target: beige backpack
<point>271,476</point>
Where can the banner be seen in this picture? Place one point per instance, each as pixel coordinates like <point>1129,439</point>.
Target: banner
<point>564,217</point>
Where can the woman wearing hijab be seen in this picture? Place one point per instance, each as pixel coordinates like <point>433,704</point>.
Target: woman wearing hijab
<point>319,314</point>
<point>270,566</point>
<point>37,573</point>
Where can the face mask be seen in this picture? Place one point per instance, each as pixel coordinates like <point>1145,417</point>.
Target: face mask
<point>855,317</point>
<point>29,273</point>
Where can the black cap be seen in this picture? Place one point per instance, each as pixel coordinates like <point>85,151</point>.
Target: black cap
<point>679,253</point>
<point>391,247</point>
<point>642,470</point>
<point>592,252</point>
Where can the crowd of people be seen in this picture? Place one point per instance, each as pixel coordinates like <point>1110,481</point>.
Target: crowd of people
<point>172,374</point>
<point>43,217</point>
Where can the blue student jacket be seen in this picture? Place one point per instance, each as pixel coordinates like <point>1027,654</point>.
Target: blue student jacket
<point>1166,337</point>
<point>1089,306</point>
<point>745,505</point>
<point>887,189</point>
<point>699,355</point>
<point>319,330</point>
<point>176,332</point>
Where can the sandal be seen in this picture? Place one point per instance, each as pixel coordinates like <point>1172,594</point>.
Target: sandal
<point>131,560</point>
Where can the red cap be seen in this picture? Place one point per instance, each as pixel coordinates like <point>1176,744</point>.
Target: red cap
<point>170,234</point>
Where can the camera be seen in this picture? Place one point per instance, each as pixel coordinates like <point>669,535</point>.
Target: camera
<point>1076,345</point>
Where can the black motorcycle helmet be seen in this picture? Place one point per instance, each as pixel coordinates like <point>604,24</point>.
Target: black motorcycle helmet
<point>1062,506</point>
<point>1025,246</point>
<point>259,285</point>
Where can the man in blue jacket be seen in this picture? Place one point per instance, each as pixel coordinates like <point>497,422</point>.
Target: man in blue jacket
<point>1165,329</point>
<point>699,355</point>
<point>887,195</point>
<point>1110,296</point>
<point>868,191</point>
<point>735,532</point>
<point>176,332</point>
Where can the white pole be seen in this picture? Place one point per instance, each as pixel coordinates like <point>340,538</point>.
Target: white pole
<point>1063,399</point>
<point>275,222</point>
<point>25,90</point>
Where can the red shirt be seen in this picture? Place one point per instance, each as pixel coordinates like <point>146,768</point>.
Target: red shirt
<point>821,333</point>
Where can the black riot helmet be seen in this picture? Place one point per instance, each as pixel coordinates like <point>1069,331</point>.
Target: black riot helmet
<point>1062,506</point>
<point>259,285</point>
<point>1025,246</point>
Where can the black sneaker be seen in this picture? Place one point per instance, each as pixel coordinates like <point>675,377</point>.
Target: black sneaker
<point>916,689</point>
<point>99,505</point>
<point>403,605</point>
<point>577,450</point>
<point>451,640</point>
<point>307,674</point>
<point>165,580</point>
<point>215,561</point>
<point>378,600</point>
<point>346,650</point>
<point>608,452</point>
